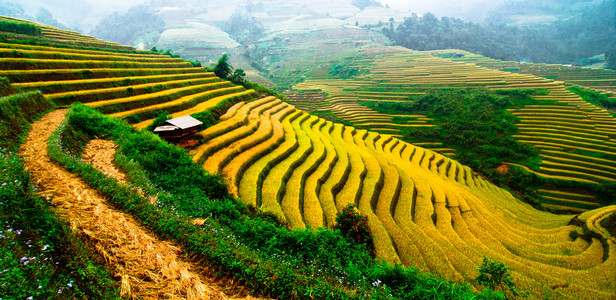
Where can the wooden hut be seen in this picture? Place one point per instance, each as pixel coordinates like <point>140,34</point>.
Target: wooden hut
<point>179,130</point>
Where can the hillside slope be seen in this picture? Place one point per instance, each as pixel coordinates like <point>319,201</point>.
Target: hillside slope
<point>425,210</point>
<point>575,138</point>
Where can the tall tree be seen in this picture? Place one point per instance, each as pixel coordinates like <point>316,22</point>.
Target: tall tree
<point>223,69</point>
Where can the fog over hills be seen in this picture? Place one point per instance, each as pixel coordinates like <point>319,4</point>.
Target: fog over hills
<point>569,31</point>
<point>84,15</point>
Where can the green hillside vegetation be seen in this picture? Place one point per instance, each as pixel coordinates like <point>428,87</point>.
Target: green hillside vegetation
<point>474,122</point>
<point>279,201</point>
<point>585,35</point>
<point>250,246</point>
<point>19,27</point>
<point>40,255</point>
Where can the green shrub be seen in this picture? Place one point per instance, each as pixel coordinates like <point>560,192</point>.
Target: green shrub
<point>402,120</point>
<point>160,120</point>
<point>494,275</point>
<point>16,113</point>
<point>223,69</point>
<point>19,27</point>
<point>5,87</point>
<point>354,226</point>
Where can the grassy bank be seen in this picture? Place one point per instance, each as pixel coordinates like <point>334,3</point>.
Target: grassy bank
<point>233,239</point>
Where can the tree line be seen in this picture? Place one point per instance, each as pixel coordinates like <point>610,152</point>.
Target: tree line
<point>567,42</point>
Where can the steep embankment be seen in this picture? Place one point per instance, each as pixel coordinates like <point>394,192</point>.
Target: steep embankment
<point>147,266</point>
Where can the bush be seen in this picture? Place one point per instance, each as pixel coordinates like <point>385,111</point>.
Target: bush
<point>5,87</point>
<point>19,27</point>
<point>354,226</point>
<point>17,112</point>
<point>160,120</point>
<point>594,98</point>
<point>494,275</point>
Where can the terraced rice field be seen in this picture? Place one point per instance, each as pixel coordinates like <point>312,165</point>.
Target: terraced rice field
<point>577,141</point>
<point>345,104</point>
<point>599,80</point>
<point>55,35</point>
<point>137,85</point>
<point>424,209</point>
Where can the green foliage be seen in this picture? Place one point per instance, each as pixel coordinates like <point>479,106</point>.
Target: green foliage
<point>17,112</point>
<point>39,255</point>
<point>525,184</point>
<point>472,121</point>
<point>584,35</point>
<point>5,87</point>
<point>160,120</point>
<point>264,255</point>
<point>354,226</point>
<point>494,275</point>
<point>237,76</point>
<point>19,27</point>
<point>594,98</point>
<point>519,98</point>
<point>223,69</point>
<point>402,120</point>
<point>345,71</point>
<point>330,116</point>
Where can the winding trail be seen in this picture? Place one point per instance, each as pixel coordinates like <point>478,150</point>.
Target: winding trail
<point>146,266</point>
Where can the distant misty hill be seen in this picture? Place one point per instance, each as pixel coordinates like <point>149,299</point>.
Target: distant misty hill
<point>565,41</point>
<point>538,12</point>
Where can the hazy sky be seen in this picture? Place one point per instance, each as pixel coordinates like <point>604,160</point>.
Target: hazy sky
<point>86,13</point>
<point>468,9</point>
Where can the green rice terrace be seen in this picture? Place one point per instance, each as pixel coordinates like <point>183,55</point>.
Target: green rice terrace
<point>106,209</point>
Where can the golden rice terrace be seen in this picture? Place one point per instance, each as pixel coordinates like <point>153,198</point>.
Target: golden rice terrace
<point>576,140</point>
<point>425,210</point>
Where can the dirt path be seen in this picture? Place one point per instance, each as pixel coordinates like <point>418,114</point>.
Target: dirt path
<point>148,267</point>
<point>100,154</point>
